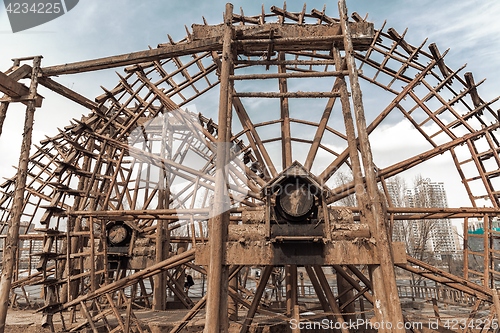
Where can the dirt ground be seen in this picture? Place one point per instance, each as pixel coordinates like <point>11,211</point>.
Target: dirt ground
<point>24,321</point>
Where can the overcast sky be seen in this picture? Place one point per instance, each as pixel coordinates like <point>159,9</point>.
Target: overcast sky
<point>97,28</point>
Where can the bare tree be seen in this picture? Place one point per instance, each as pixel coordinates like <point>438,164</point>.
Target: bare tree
<point>343,178</point>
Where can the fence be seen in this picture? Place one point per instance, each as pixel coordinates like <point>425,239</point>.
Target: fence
<point>441,294</point>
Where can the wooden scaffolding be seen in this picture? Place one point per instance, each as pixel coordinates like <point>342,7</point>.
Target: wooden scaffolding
<point>111,215</point>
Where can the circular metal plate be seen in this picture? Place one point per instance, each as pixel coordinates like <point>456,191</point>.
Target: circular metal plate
<point>117,234</point>
<point>296,200</point>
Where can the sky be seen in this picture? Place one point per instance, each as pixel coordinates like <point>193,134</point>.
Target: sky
<point>96,28</point>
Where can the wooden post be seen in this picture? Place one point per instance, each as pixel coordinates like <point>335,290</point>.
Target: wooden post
<point>286,145</point>
<point>291,288</point>
<point>346,293</point>
<point>162,233</point>
<point>496,302</point>
<point>3,113</point>
<point>387,305</point>
<point>486,251</point>
<point>302,288</point>
<point>296,317</point>
<point>12,239</point>
<point>466,248</point>
<point>216,317</point>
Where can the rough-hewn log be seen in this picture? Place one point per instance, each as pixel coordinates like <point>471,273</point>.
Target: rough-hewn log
<point>209,44</point>
<point>217,294</point>
<point>12,240</point>
<point>388,307</point>
<point>363,33</point>
<point>68,93</point>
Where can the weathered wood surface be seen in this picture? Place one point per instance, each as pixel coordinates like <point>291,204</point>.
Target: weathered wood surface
<point>318,36</point>
<point>16,91</point>
<point>210,44</point>
<point>267,253</point>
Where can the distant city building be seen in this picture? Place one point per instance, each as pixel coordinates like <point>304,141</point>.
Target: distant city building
<point>459,244</point>
<point>436,237</point>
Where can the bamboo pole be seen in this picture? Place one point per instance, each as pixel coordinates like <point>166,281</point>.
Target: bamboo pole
<point>216,317</point>
<point>12,240</point>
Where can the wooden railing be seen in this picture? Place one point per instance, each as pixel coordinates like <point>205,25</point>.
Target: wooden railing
<point>441,294</point>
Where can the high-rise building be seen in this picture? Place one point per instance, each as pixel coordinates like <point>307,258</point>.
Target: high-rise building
<point>424,237</point>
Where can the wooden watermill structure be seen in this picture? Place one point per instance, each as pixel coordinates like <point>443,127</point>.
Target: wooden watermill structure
<point>219,153</point>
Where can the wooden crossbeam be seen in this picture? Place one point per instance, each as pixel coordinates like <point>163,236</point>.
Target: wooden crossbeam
<point>21,72</point>
<point>11,87</point>
<point>16,91</point>
<point>68,93</point>
<point>209,44</point>
<point>363,33</point>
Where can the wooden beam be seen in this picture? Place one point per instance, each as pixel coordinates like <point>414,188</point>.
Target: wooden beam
<point>21,72</point>
<point>167,51</point>
<point>11,87</point>
<point>68,93</point>
<point>17,92</point>
<point>363,32</point>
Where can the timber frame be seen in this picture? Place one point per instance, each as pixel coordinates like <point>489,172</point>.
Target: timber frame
<point>107,215</point>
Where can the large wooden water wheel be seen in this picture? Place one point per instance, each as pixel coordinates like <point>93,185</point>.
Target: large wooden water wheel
<point>221,154</point>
